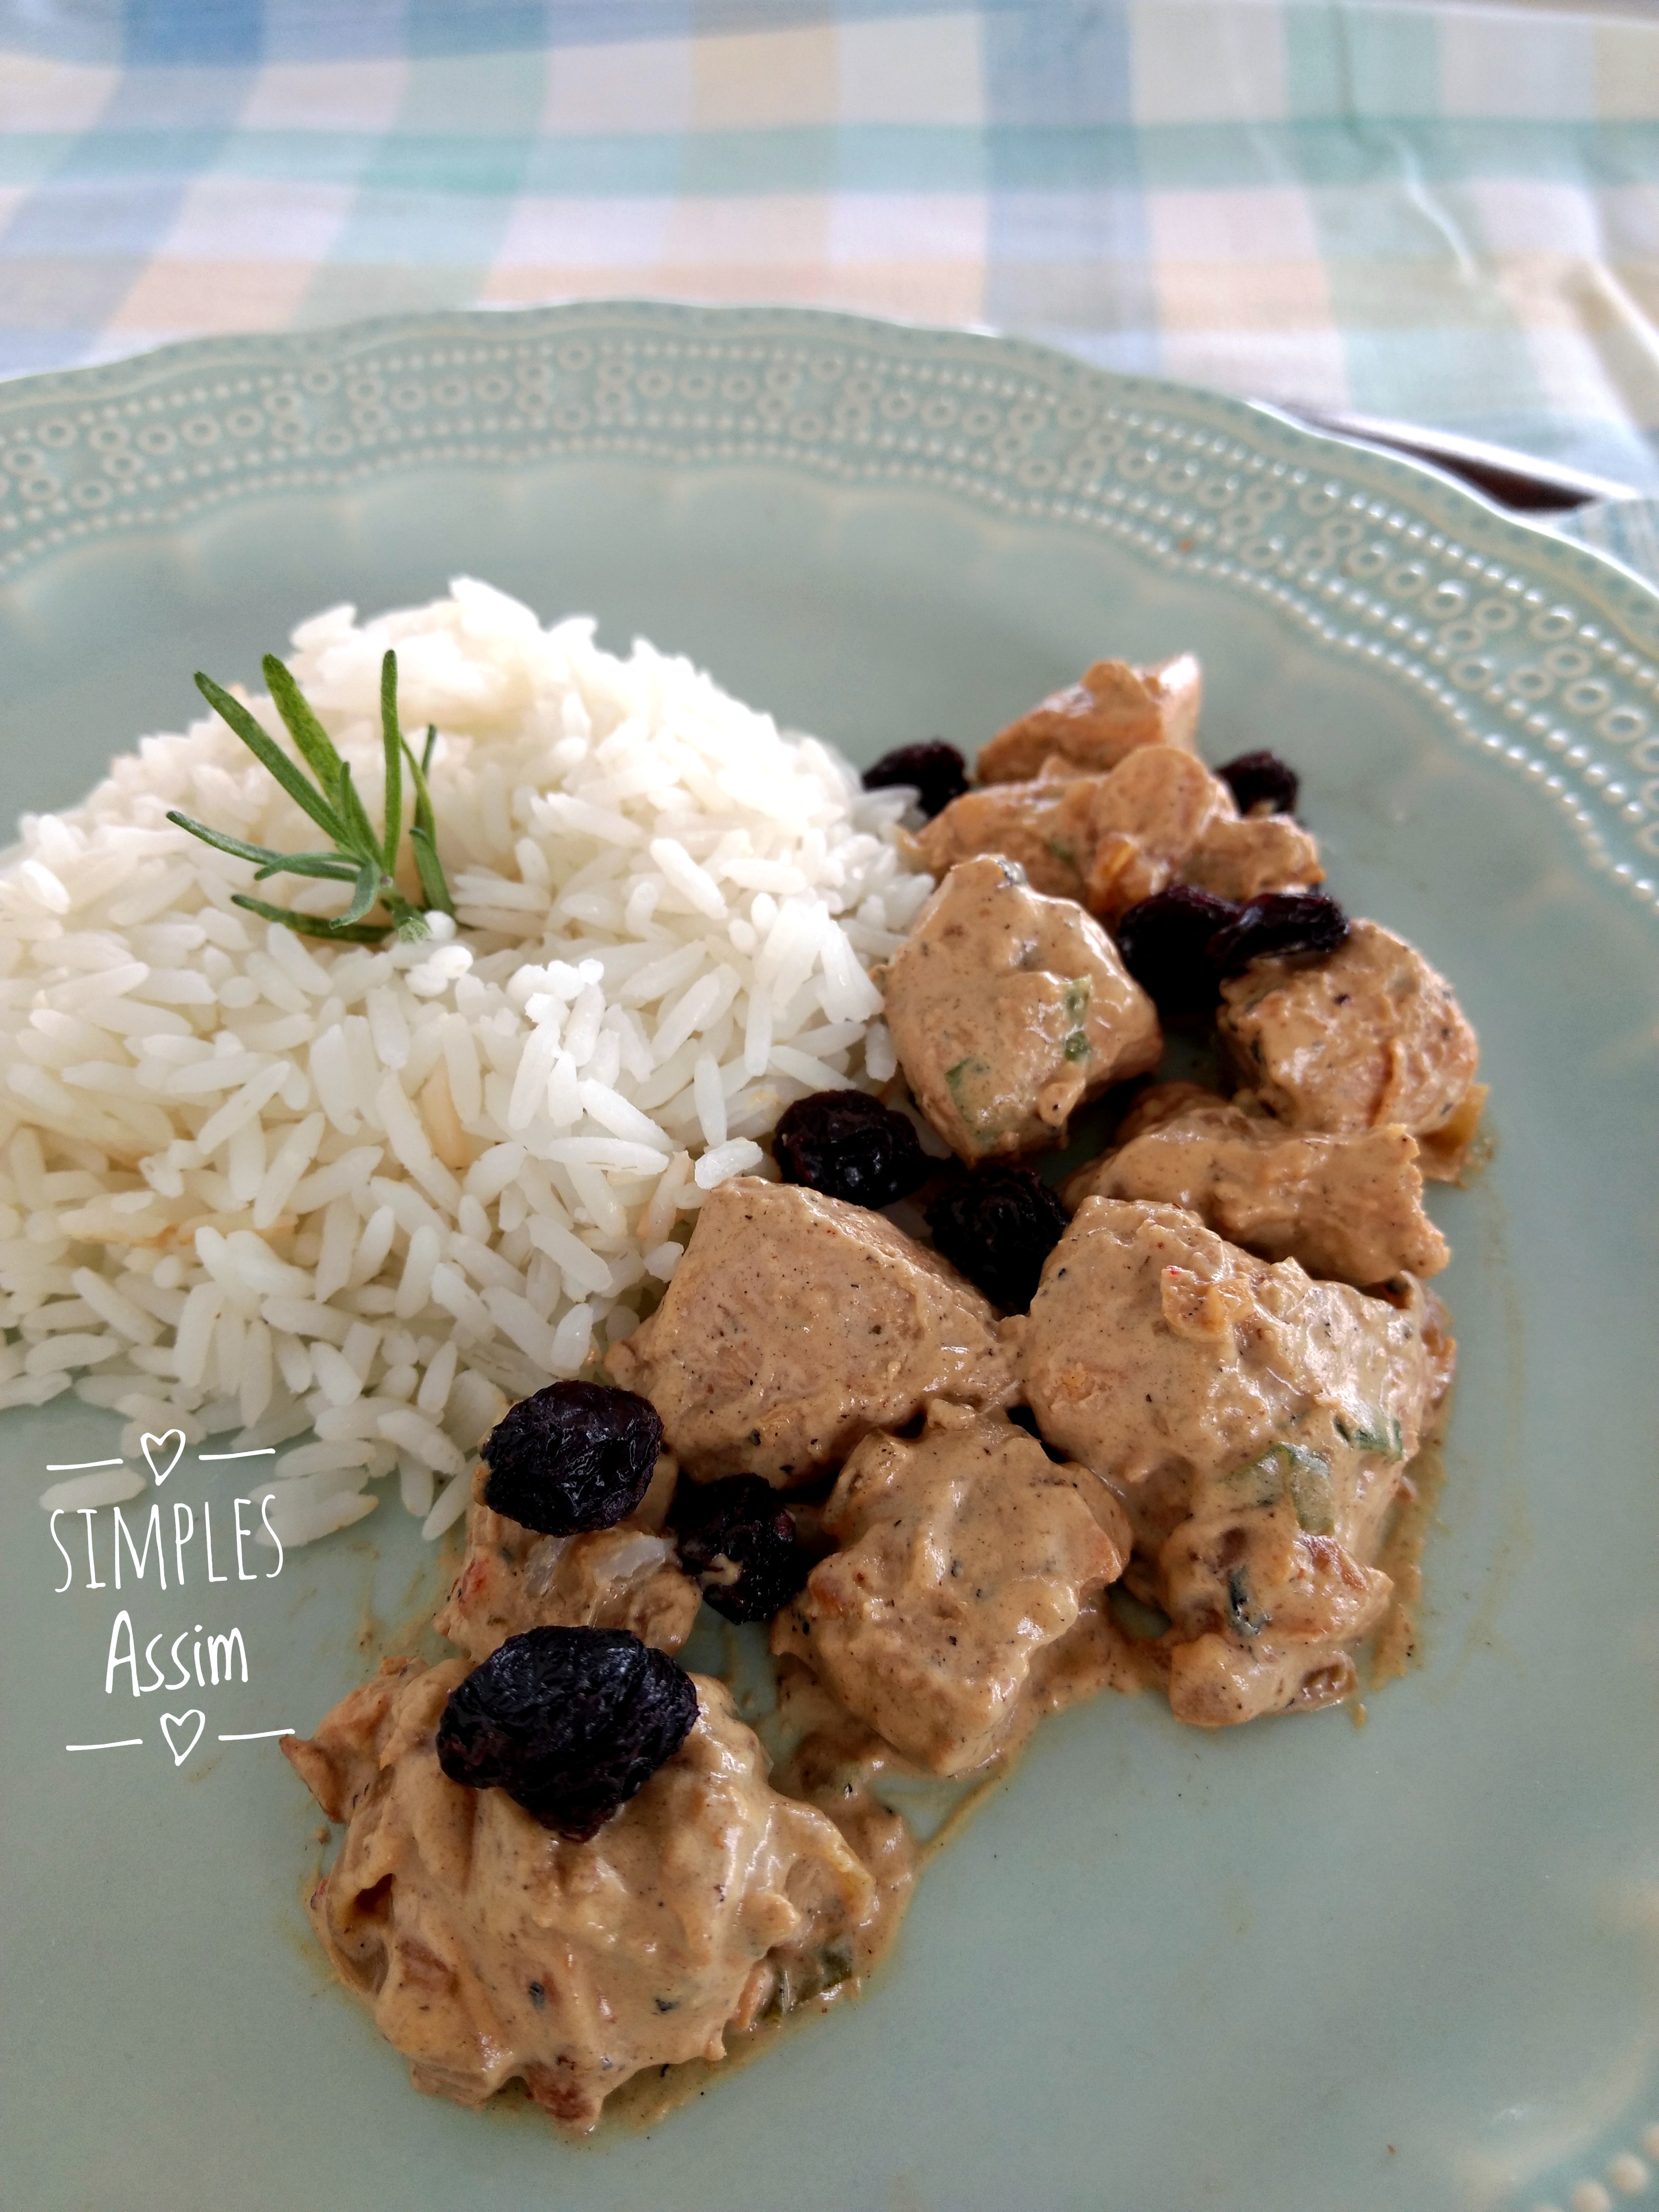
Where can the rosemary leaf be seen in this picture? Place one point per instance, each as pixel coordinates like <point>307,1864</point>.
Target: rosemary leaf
<point>269,755</point>
<point>364,843</point>
<point>369,886</point>
<point>336,867</point>
<point>361,856</point>
<point>418,768</point>
<point>392,739</point>
<point>237,847</point>
<point>307,733</point>
<point>314,924</point>
<point>427,866</point>
<point>422,834</point>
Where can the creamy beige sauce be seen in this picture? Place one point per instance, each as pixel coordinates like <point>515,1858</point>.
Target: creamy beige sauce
<point>836,1764</point>
<point>1111,840</point>
<point>1255,1423</point>
<point>1397,1647</point>
<point>488,1948</point>
<point>1104,839</point>
<point>1369,1036</point>
<point>514,1578</point>
<point>794,1325</point>
<point>1349,1206</point>
<point>1241,858</point>
<point>1092,724</point>
<point>1009,1009</point>
<point>1097,1653</point>
<point>961,1557</point>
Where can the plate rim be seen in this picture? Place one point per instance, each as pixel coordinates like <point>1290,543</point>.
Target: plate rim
<point>126,374</point>
<point>83,487</point>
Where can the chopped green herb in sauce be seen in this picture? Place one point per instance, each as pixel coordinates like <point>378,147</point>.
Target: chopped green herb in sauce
<point>1289,1471</point>
<point>962,1080</point>
<point>1376,1432</point>
<point>836,1958</point>
<point>1075,1003</point>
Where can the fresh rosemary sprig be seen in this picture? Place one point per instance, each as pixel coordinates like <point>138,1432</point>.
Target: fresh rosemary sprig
<point>359,856</point>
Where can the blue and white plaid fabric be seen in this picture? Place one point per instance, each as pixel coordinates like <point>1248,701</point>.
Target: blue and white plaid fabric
<point>1445,214</point>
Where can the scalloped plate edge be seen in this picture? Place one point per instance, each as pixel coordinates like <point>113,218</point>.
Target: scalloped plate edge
<point>1536,651</point>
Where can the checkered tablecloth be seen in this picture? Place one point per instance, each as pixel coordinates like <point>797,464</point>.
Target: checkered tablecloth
<point>1445,214</point>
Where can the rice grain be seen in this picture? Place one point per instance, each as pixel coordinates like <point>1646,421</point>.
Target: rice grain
<point>369,1192</point>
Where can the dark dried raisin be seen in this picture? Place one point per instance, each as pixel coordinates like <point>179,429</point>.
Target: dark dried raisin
<point>576,1456</point>
<point>998,1226</point>
<point>1259,779</point>
<point>1163,941</point>
<point>569,1722</point>
<point>1278,922</point>
<point>937,771</point>
<point>849,1144</point>
<point>737,1543</point>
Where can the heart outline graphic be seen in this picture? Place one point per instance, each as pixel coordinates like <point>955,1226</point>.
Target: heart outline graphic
<point>170,1720</point>
<point>174,1437</point>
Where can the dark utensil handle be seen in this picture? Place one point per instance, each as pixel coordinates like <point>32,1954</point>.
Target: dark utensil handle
<point>1511,479</point>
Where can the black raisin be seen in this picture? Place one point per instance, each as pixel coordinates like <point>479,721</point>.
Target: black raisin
<point>998,1226</point>
<point>576,1456</point>
<point>1255,779</point>
<point>569,1722</point>
<point>1278,922</point>
<point>737,1543</point>
<point>849,1144</point>
<point>1164,941</point>
<point>937,771</point>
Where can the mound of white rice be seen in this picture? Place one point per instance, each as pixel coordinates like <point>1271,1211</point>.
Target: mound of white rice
<point>260,1182</point>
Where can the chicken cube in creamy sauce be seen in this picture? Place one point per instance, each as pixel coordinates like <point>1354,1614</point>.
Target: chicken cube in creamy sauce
<point>962,1555</point>
<point>1009,1009</point>
<point>1256,1425</point>
<point>797,1324</point>
<point>1367,1036</point>
<point>1239,858</point>
<point>514,1578</point>
<point>487,1947</point>
<point>1110,841</point>
<point>1351,1206</point>
<point>1093,723</point>
<point>1239,1417</point>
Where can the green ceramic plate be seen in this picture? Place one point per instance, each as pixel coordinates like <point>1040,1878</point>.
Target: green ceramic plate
<point>1412,1965</point>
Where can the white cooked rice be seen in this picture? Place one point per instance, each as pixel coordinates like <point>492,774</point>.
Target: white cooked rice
<point>253,1181</point>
